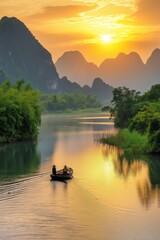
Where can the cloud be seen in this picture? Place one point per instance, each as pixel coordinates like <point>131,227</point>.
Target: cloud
<point>58,43</point>
<point>66,38</point>
<point>113,9</point>
<point>62,12</point>
<point>148,12</point>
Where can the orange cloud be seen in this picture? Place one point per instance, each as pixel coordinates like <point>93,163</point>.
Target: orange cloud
<point>61,12</point>
<point>148,12</point>
<point>111,9</point>
<point>66,38</point>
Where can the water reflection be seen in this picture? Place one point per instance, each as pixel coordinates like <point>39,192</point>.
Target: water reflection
<point>122,165</point>
<point>154,169</point>
<point>146,173</point>
<point>148,190</point>
<point>55,126</point>
<point>18,158</point>
<point>104,199</point>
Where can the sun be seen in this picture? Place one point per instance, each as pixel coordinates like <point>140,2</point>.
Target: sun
<point>106,38</point>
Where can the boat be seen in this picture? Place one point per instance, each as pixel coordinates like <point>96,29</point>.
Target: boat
<point>61,176</point>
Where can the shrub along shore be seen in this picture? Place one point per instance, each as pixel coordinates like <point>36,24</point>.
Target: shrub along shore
<point>140,114</point>
<point>131,142</point>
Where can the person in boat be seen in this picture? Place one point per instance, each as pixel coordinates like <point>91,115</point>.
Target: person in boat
<point>54,171</point>
<point>65,169</point>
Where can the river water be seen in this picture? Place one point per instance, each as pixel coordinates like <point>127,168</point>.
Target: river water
<point>111,197</point>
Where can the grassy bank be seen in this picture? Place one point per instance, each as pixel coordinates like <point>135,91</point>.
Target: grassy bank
<point>131,142</point>
<point>76,112</point>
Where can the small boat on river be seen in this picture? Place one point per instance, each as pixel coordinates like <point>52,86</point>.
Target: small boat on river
<point>61,176</point>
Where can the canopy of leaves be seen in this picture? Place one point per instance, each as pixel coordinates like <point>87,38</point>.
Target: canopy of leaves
<point>122,105</point>
<point>141,121</point>
<point>20,113</point>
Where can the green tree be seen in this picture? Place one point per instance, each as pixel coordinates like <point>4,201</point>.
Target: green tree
<point>20,116</point>
<point>141,121</point>
<point>123,103</point>
<point>152,95</point>
<point>74,101</point>
<point>154,135</point>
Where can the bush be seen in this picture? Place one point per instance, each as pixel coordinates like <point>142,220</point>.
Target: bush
<point>20,114</point>
<point>129,141</point>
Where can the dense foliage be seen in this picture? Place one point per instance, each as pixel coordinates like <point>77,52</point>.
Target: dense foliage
<point>122,105</point>
<point>139,113</point>
<point>74,101</point>
<point>20,114</point>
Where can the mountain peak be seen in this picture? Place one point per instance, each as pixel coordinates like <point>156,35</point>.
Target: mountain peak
<point>9,22</point>
<point>72,56</point>
<point>132,56</point>
<point>154,58</point>
<point>121,55</point>
<point>23,57</point>
<point>5,19</point>
<point>73,65</point>
<point>155,53</point>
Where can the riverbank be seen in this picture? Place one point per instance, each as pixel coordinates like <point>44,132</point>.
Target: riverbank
<point>69,112</point>
<point>130,142</point>
<point>74,111</point>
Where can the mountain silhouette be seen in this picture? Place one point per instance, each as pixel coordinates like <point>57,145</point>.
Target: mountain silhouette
<point>73,65</point>
<point>99,88</point>
<point>125,70</point>
<point>152,68</point>
<point>23,57</point>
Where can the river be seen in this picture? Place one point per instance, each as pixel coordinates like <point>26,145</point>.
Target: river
<point>111,197</point>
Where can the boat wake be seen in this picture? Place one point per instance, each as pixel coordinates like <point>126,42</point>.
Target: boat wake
<point>13,188</point>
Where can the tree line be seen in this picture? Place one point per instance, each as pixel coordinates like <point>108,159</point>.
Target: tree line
<point>21,107</point>
<point>20,112</point>
<point>74,101</point>
<point>138,112</point>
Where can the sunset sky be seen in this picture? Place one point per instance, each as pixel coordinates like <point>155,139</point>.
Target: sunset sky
<point>98,28</point>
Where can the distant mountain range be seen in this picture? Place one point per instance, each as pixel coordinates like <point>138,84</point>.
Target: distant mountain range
<point>124,70</point>
<point>23,57</point>
<point>73,65</point>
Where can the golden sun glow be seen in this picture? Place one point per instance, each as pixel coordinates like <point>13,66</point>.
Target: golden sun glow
<point>98,29</point>
<point>106,38</point>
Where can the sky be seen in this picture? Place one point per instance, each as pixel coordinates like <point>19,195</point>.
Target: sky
<point>99,29</point>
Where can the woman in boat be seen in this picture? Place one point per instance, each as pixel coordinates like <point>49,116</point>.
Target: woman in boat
<point>54,171</point>
<point>65,169</point>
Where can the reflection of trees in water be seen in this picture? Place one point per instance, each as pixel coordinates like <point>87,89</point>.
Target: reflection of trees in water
<point>18,158</point>
<point>154,169</point>
<point>148,193</point>
<point>123,167</point>
<point>149,189</point>
<point>149,182</point>
<point>102,127</point>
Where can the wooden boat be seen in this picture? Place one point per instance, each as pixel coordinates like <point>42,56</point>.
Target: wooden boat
<point>62,176</point>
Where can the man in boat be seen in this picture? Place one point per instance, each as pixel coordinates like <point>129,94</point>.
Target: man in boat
<point>65,169</point>
<point>54,171</point>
